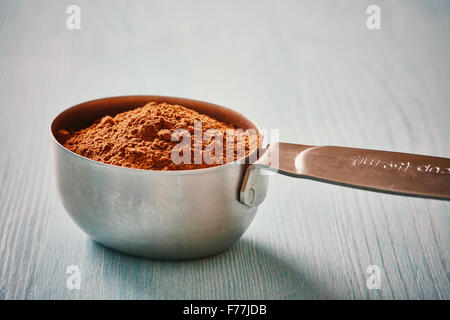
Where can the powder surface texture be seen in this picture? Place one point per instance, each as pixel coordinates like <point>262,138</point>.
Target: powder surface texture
<point>142,138</point>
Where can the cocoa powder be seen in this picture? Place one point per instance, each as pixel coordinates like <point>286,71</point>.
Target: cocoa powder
<point>142,138</point>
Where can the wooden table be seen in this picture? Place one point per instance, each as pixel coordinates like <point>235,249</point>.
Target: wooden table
<point>309,68</point>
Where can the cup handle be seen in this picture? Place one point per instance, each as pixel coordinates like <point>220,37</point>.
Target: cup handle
<point>383,171</point>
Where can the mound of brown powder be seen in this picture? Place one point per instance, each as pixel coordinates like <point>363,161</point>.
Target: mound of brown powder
<point>142,138</point>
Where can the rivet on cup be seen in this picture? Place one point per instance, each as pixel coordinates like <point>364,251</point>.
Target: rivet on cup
<point>251,195</point>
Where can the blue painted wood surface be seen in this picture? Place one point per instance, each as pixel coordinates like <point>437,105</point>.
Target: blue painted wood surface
<point>310,68</point>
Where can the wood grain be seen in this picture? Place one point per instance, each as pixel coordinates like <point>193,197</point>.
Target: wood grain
<point>310,68</point>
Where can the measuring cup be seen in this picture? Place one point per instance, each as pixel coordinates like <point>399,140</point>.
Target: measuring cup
<point>196,213</point>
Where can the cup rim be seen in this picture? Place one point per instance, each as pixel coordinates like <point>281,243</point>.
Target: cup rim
<point>152,171</point>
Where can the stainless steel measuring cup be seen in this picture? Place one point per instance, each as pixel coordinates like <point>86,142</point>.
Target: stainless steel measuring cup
<point>195,213</point>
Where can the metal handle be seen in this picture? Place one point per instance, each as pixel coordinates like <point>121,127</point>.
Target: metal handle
<point>390,172</point>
